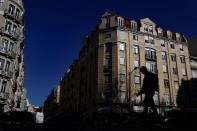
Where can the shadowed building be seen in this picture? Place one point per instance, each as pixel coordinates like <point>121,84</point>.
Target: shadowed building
<point>51,104</point>
<point>12,92</point>
<point>193,56</point>
<point>104,71</point>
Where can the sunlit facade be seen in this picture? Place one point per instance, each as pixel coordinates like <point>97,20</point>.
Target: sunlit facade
<point>12,92</point>
<point>104,71</point>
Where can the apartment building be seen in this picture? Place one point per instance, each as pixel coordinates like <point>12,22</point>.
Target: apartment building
<point>193,56</point>
<point>51,104</point>
<point>105,70</point>
<point>12,90</point>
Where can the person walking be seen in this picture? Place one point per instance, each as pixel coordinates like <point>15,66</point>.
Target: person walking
<point>150,85</point>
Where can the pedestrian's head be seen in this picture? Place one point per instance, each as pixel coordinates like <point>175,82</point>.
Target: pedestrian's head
<point>143,69</point>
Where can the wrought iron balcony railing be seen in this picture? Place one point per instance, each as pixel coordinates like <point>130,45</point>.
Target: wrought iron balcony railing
<point>11,34</point>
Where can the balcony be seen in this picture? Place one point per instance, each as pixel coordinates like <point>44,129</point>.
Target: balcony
<point>150,57</point>
<point>7,74</point>
<point>10,34</point>
<point>17,19</point>
<point>3,97</point>
<point>11,54</point>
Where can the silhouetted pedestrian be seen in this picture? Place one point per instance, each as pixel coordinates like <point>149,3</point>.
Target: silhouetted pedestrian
<point>150,85</point>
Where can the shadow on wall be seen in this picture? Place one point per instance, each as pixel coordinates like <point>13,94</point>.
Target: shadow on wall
<point>187,95</point>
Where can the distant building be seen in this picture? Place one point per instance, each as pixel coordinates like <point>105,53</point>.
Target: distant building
<point>193,56</point>
<point>104,72</point>
<point>51,104</point>
<point>12,95</point>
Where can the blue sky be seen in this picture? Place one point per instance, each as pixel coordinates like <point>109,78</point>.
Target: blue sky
<point>55,30</point>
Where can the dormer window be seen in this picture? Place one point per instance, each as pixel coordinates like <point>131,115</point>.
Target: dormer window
<point>108,22</point>
<point>159,32</point>
<point>145,28</point>
<point>133,25</point>
<point>120,22</point>
<point>150,29</point>
<point>178,37</point>
<point>169,34</point>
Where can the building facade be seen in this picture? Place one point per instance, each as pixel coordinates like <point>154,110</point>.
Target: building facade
<point>12,92</point>
<point>105,70</point>
<point>193,56</point>
<point>51,105</point>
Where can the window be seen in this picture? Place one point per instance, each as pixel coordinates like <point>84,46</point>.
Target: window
<point>145,28</point>
<point>133,25</point>
<point>11,9</point>
<point>167,99</point>
<point>122,35</point>
<point>2,61</point>
<point>165,68</point>
<point>159,32</point>
<point>17,13</point>
<point>151,40</point>
<point>150,54</point>
<point>166,83</point>
<point>1,2</point>
<point>122,61</point>
<point>108,22</point>
<point>136,49</point>
<point>182,59</point>
<point>107,63</point>
<point>169,35</point>
<point>107,35</point>
<point>14,29</point>
<point>162,43</point>
<point>107,78</point>
<point>174,70</point>
<point>135,37</point>
<point>122,77</point>
<point>7,66</point>
<point>120,22</point>
<point>181,47</point>
<point>151,29</point>
<point>146,39</point>
<point>8,26</point>
<point>4,45</point>
<point>151,66</point>
<point>3,87</point>
<point>163,55</point>
<point>173,57</point>
<point>172,45</point>
<point>137,79</point>
<point>183,71</point>
<point>122,46</point>
<point>108,48</point>
<point>178,37</point>
<point>11,46</point>
<point>136,63</point>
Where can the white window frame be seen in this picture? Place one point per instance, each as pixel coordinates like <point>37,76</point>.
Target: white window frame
<point>136,49</point>
<point>181,47</point>
<point>122,61</point>
<point>164,68</point>
<point>122,46</point>
<point>146,40</point>
<point>136,63</point>
<point>162,43</point>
